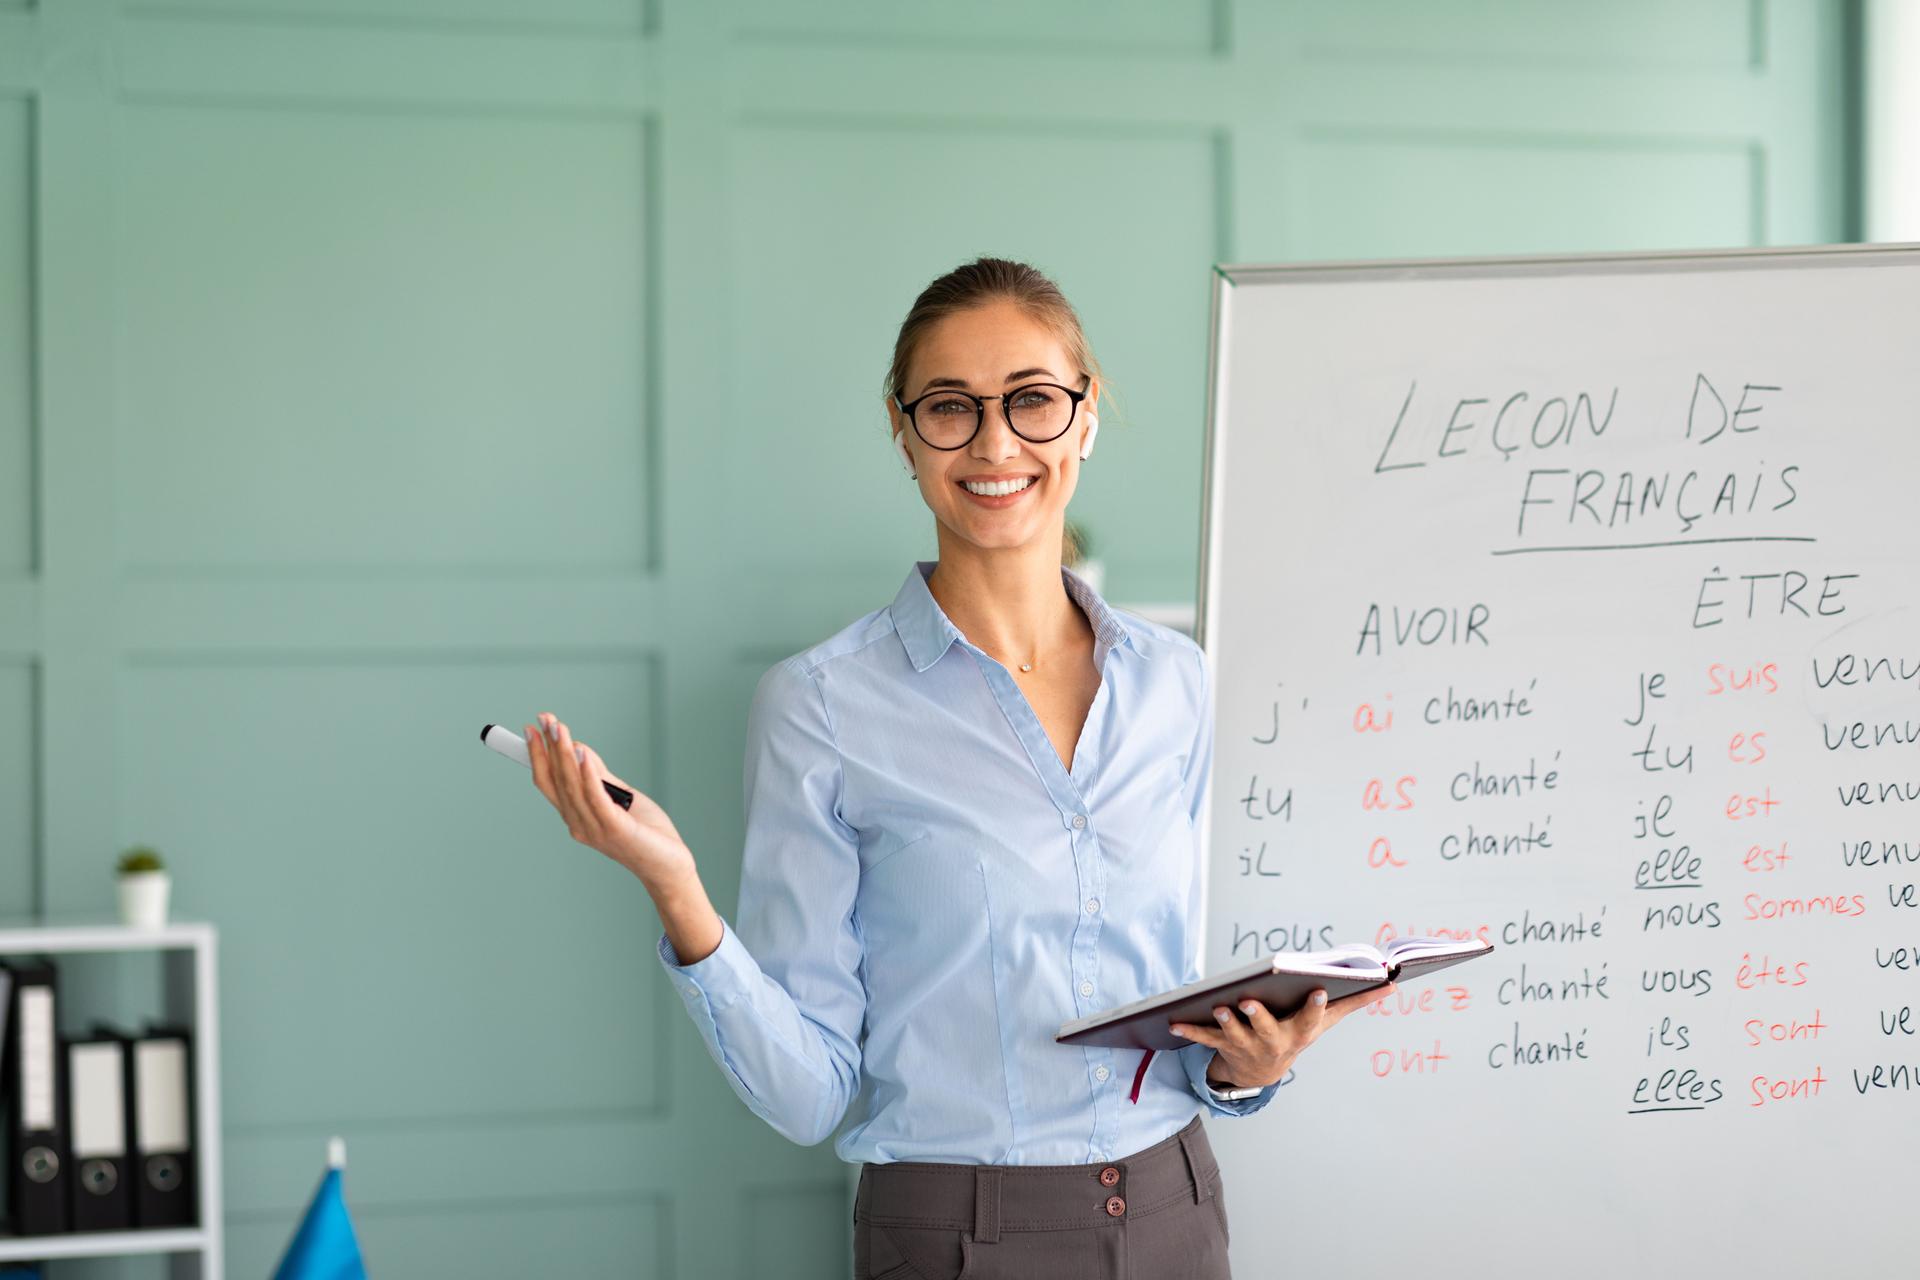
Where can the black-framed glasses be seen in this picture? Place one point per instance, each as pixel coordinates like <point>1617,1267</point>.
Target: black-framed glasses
<point>948,418</point>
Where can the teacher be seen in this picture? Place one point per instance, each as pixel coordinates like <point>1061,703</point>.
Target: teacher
<point>970,817</point>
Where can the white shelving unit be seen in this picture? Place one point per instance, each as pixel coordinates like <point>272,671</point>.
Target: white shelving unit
<point>191,997</point>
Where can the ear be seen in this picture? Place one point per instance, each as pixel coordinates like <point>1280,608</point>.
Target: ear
<point>1090,409</point>
<point>897,423</point>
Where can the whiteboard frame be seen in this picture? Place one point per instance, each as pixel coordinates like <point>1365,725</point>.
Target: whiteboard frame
<point>1228,276</point>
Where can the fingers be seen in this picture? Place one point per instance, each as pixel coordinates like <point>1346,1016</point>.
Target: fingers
<point>600,771</point>
<point>1227,1033</point>
<point>599,803</point>
<point>570,772</point>
<point>1209,1036</point>
<point>558,782</point>
<point>1239,1036</point>
<point>537,758</point>
<point>1345,1005</point>
<point>1261,1032</point>
<point>1261,1020</point>
<point>1310,1020</point>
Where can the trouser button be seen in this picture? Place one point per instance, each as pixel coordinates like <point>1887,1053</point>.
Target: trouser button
<point>1116,1206</point>
<point>1109,1176</point>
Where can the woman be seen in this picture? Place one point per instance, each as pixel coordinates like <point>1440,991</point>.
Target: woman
<point>970,818</point>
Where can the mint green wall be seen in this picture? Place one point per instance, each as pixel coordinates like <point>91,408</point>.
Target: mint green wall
<point>370,369</point>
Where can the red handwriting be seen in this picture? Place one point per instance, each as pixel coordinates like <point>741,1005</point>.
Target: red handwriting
<point>1402,1004</point>
<point>1380,854</point>
<point>1766,1090</point>
<point>1759,908</point>
<point>1722,678</point>
<point>1408,1062</point>
<point>1744,806</point>
<point>1388,931</point>
<point>1374,797</point>
<point>1750,975</point>
<point>1369,719</point>
<point>1759,1030</point>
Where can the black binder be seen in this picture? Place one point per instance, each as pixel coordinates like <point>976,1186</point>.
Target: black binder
<point>37,1160</point>
<point>99,1130</point>
<point>160,1077</point>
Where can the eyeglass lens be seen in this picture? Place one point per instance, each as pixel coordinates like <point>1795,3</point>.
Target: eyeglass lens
<point>1038,413</point>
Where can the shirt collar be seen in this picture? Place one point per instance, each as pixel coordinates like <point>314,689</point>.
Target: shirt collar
<point>926,631</point>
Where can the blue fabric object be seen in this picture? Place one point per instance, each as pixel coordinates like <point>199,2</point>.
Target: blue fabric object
<point>324,1248</point>
<point>927,893</point>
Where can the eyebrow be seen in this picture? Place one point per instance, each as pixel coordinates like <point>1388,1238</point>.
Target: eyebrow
<point>962,383</point>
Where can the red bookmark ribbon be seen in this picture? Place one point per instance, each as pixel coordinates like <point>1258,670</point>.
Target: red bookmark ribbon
<point>1140,1073</point>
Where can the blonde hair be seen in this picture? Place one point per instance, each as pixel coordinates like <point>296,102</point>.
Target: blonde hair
<point>987,280</point>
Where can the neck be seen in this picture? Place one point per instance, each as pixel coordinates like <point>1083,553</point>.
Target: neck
<point>1009,601</point>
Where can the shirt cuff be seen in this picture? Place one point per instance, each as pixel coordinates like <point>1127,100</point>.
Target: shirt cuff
<point>1195,1057</point>
<point>716,979</point>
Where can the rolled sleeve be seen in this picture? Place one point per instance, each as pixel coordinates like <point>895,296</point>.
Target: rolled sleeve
<point>724,974</point>
<point>780,1002</point>
<point>1195,1057</point>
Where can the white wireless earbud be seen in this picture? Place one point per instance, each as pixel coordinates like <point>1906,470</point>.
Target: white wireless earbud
<point>906,454</point>
<point>1093,429</point>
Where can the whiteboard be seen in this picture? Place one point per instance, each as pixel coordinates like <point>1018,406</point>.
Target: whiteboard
<point>1571,602</point>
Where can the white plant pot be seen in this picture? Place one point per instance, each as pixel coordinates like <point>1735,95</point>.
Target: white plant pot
<point>143,899</point>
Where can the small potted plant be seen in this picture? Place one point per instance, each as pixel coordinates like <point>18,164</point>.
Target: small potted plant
<point>144,885</point>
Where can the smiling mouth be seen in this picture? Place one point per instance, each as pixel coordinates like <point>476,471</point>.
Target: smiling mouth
<point>998,490</point>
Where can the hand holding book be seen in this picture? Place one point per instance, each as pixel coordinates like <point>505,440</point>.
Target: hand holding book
<point>1281,984</point>
<point>1259,1049</point>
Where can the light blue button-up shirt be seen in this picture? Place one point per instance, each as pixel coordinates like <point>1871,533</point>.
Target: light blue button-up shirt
<point>927,893</point>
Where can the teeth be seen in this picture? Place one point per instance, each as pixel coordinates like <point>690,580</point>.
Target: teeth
<point>997,489</point>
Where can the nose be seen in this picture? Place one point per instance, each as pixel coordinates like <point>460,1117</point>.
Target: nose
<point>996,438</point>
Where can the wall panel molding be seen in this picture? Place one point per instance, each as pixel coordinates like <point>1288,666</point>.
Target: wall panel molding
<point>1074,27</point>
<point>516,18</point>
<point>435,416</point>
<point>1710,35</point>
<point>455,67</point>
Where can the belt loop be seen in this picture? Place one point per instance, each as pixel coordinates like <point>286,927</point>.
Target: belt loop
<point>1200,1192</point>
<point>986,1203</point>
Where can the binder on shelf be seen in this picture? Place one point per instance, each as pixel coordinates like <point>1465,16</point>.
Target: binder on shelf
<point>36,1105</point>
<point>161,1106</point>
<point>98,1131</point>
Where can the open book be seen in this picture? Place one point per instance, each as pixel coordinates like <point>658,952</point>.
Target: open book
<point>1282,982</point>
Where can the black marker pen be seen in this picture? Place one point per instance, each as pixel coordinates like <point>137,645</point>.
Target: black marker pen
<point>514,747</point>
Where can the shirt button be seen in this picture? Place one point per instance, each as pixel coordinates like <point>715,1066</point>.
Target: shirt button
<point>1101,1073</point>
<point>1116,1206</point>
<point>1086,988</point>
<point>1109,1176</point>
<point>1093,905</point>
<point>1079,821</point>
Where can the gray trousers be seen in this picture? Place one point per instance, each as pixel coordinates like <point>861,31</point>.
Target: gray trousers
<point>1157,1213</point>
